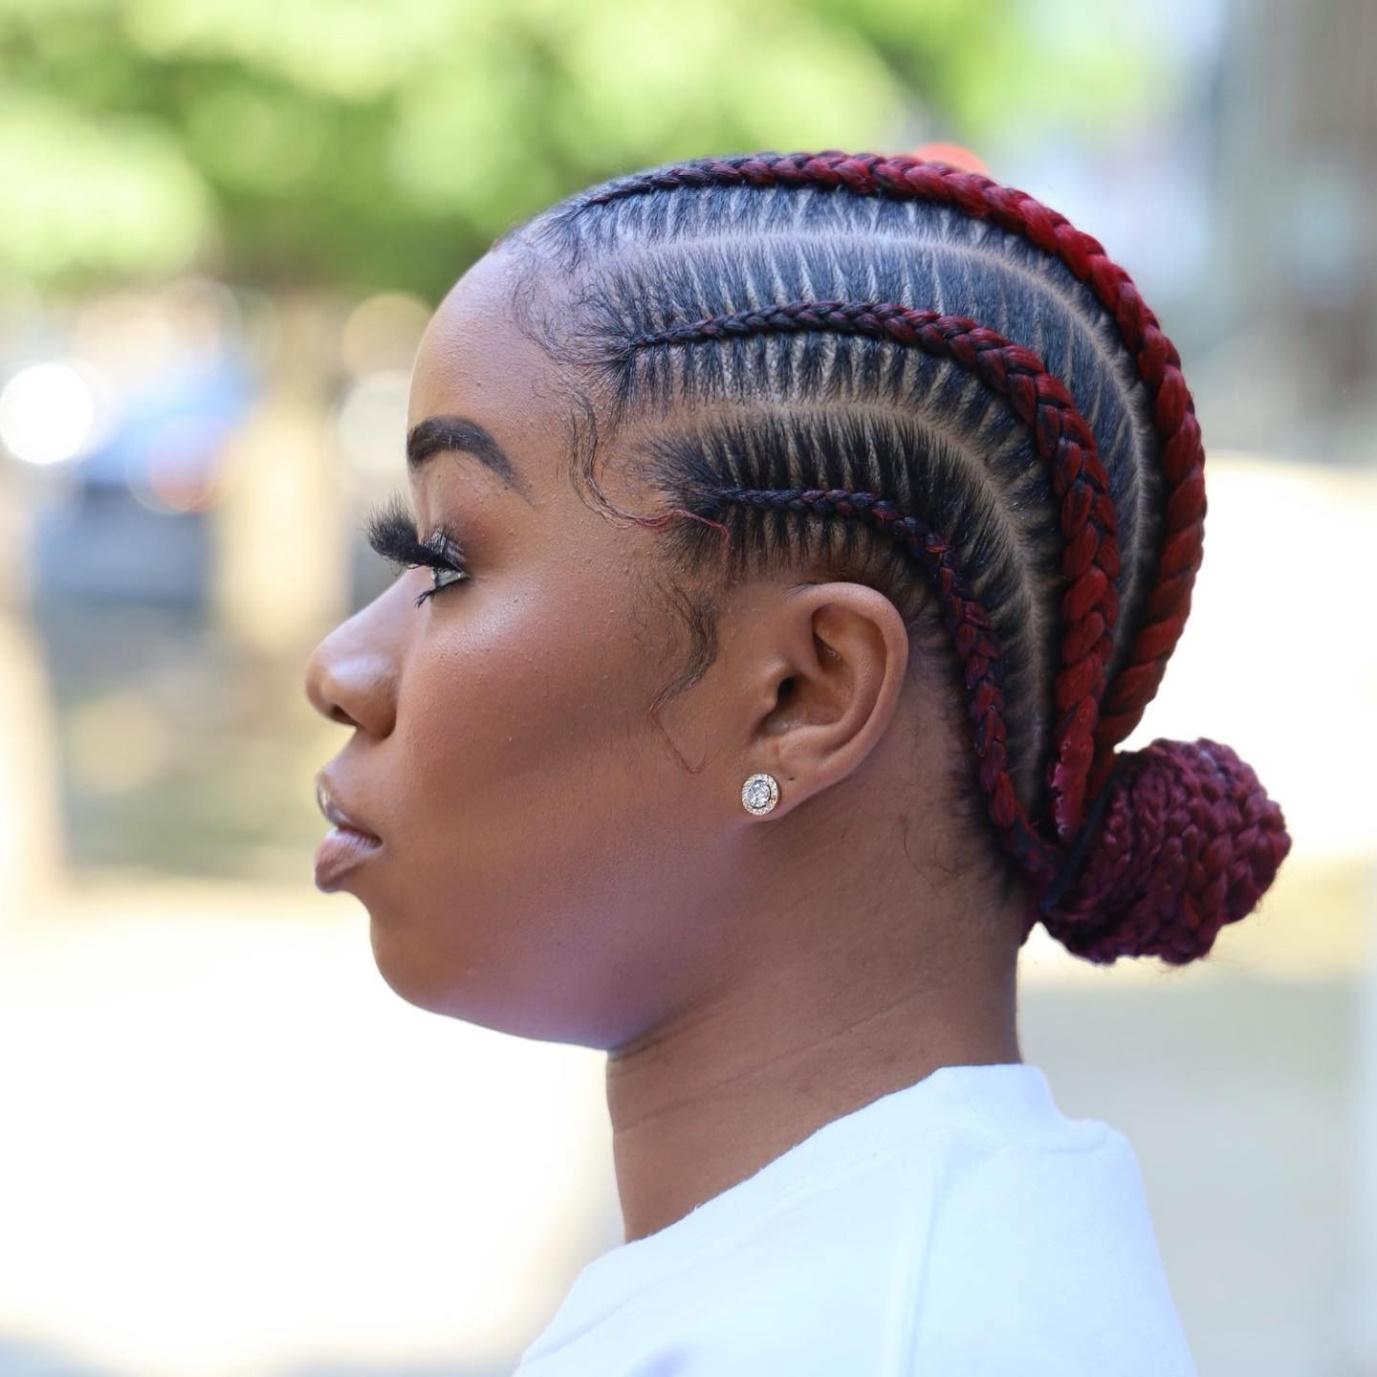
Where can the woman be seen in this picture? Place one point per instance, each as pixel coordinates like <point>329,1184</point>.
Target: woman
<point>792,540</point>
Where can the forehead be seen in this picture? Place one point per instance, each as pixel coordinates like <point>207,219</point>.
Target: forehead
<point>475,362</point>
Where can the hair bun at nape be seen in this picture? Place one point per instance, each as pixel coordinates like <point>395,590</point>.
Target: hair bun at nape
<point>1182,840</point>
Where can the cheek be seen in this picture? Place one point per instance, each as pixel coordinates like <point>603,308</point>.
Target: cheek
<point>498,715</point>
<point>536,812</point>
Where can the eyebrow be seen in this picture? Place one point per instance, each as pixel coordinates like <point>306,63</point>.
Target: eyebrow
<point>459,435</point>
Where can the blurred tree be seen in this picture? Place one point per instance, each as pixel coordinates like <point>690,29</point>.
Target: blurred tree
<point>366,145</point>
<point>329,148</point>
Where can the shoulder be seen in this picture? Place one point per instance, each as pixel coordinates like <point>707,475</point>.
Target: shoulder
<point>1043,1259</point>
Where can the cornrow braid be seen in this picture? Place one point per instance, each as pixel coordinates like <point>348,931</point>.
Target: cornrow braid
<point>1158,362</point>
<point>1090,554</point>
<point>1031,498</point>
<point>976,650</point>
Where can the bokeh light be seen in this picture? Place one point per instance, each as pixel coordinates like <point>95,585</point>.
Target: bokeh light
<point>371,424</point>
<point>382,332</point>
<point>48,412</point>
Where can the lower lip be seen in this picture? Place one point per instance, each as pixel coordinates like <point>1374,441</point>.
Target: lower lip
<point>340,850</point>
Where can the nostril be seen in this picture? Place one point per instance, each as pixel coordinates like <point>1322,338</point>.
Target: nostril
<point>351,684</point>
<point>323,688</point>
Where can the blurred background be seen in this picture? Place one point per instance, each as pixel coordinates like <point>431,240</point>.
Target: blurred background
<point>225,1146</point>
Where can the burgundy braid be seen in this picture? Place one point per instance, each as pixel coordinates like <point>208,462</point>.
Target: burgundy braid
<point>971,633</point>
<point>1180,837</point>
<point>1189,842</point>
<point>1090,551</point>
<point>1159,365</point>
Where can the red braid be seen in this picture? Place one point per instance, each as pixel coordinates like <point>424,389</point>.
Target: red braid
<point>1189,841</point>
<point>977,651</point>
<point>1182,838</point>
<point>1159,365</point>
<point>1090,551</point>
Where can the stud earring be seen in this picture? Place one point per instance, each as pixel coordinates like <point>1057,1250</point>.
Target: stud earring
<point>760,793</point>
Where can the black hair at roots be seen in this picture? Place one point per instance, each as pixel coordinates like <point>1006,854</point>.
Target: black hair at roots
<point>605,285</point>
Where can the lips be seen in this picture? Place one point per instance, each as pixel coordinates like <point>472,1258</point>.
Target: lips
<point>333,812</point>
<point>346,845</point>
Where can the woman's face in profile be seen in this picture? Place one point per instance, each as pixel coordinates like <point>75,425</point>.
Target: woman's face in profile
<point>548,863</point>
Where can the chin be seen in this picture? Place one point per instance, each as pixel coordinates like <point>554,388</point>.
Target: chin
<point>528,1009</point>
<point>429,980</point>
<point>404,966</point>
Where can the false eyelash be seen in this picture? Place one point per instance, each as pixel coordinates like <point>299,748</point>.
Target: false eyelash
<point>392,533</point>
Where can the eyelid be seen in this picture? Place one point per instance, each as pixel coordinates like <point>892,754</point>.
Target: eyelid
<point>443,541</point>
<point>393,534</point>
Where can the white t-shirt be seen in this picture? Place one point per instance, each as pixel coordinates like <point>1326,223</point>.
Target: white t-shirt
<point>962,1226</point>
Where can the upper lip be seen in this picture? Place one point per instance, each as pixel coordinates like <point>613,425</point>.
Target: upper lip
<point>330,807</point>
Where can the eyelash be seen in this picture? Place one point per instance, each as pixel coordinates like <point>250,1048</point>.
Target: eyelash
<point>392,533</point>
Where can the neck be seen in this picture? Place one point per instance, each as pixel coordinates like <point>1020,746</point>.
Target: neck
<point>709,1096</point>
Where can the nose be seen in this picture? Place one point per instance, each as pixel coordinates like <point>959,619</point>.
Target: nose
<point>351,676</point>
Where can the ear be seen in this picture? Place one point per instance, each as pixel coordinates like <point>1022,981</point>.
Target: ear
<point>824,670</point>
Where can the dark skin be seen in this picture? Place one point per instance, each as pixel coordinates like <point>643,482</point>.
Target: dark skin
<point>557,866</point>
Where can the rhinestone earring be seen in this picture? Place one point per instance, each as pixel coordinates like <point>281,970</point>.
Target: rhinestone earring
<point>760,793</point>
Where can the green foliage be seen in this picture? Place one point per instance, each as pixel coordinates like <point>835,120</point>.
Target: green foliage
<point>362,144</point>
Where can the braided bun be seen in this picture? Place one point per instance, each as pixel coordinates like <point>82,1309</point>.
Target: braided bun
<point>1183,840</point>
